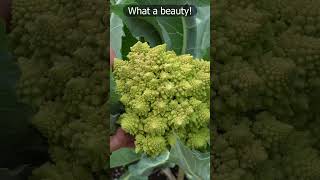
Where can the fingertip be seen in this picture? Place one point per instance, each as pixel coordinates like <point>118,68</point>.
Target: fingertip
<point>112,56</point>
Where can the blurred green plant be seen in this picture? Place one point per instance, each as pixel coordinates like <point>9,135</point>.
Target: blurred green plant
<point>3,38</point>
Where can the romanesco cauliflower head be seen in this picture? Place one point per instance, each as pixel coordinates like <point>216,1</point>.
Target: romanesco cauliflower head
<point>164,94</point>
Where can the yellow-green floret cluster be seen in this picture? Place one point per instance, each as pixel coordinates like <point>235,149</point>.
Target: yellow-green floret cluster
<point>164,95</point>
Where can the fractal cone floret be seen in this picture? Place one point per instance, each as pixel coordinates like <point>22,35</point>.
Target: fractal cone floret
<point>164,94</point>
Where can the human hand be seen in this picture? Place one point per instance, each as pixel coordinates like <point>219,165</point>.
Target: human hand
<point>112,56</point>
<point>121,139</point>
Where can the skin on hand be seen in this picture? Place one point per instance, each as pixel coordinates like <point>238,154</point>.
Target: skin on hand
<point>121,138</point>
<point>112,56</point>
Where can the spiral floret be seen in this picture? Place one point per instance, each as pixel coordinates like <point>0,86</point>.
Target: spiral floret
<point>167,94</point>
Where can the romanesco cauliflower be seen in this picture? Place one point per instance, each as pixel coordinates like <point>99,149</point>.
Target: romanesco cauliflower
<point>164,94</point>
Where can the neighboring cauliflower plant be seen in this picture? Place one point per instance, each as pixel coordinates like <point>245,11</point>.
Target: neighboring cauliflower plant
<point>164,95</point>
<point>61,49</point>
<point>266,93</point>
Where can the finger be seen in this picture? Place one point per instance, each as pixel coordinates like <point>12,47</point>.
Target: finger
<point>115,144</point>
<point>112,56</point>
<point>120,139</point>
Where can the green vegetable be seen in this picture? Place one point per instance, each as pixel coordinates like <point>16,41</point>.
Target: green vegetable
<point>163,94</point>
<point>266,92</point>
<point>62,51</point>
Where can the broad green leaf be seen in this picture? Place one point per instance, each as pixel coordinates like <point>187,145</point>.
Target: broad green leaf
<point>130,41</point>
<point>147,164</point>
<point>175,2</point>
<point>184,35</point>
<point>129,176</point>
<point>140,28</point>
<point>202,48</point>
<point>195,164</point>
<point>145,167</point>
<point>114,97</point>
<point>117,7</point>
<point>198,3</point>
<point>123,156</point>
<point>116,34</point>
<point>179,33</point>
<point>188,35</point>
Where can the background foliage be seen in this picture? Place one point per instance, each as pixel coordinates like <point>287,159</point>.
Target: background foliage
<point>22,147</point>
<point>60,48</point>
<point>266,90</point>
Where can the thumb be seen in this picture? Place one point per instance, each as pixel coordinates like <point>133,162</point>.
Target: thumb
<point>112,56</point>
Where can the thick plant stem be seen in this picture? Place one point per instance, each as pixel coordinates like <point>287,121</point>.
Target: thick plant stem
<point>168,173</point>
<point>180,174</point>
